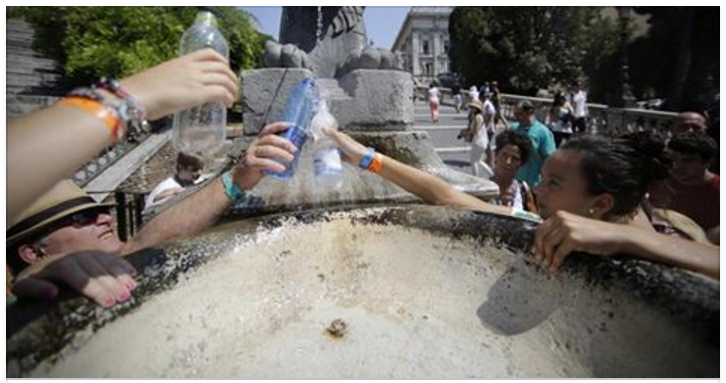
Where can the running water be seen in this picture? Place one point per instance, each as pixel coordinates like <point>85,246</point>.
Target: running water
<point>303,192</point>
<point>319,30</point>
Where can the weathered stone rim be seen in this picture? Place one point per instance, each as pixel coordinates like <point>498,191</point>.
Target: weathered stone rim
<point>38,330</point>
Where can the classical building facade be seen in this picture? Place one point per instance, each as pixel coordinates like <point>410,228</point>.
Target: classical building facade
<point>423,42</point>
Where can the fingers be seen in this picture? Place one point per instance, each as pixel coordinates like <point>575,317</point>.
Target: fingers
<point>121,270</point>
<point>275,140</point>
<point>69,271</point>
<point>351,150</point>
<point>100,278</point>
<point>217,93</point>
<point>563,250</point>
<point>269,151</point>
<point>223,71</point>
<point>206,54</point>
<point>274,128</point>
<point>551,242</point>
<point>331,132</point>
<point>264,164</point>
<point>220,79</point>
<point>542,231</point>
<point>35,288</point>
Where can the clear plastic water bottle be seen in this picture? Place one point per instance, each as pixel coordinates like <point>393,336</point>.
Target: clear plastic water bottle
<point>202,129</point>
<point>326,157</point>
<point>299,111</point>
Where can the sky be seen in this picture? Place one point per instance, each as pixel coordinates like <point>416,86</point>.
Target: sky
<point>382,23</point>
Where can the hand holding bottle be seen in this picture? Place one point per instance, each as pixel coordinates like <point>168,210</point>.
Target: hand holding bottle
<point>199,77</point>
<point>268,152</point>
<point>298,111</point>
<point>326,157</point>
<point>351,150</point>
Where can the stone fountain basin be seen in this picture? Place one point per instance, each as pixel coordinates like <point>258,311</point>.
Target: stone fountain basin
<point>415,292</point>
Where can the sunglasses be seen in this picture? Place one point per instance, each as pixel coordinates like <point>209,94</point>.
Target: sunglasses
<point>84,217</point>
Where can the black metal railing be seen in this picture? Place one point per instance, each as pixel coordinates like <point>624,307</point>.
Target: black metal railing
<point>128,212</point>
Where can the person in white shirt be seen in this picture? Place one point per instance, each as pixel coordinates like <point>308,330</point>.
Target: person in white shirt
<point>479,140</point>
<point>560,118</point>
<point>434,102</point>
<point>489,112</point>
<point>188,172</point>
<point>579,105</point>
<point>473,94</point>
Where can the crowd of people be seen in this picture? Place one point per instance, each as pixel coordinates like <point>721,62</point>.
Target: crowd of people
<point>681,201</point>
<point>590,193</point>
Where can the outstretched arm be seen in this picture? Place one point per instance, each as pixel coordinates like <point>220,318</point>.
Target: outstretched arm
<point>428,187</point>
<point>203,208</point>
<point>50,144</point>
<point>565,232</point>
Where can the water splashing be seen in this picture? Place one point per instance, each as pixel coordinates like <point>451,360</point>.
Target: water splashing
<point>319,30</point>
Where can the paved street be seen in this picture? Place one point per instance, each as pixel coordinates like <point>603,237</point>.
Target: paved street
<point>455,153</point>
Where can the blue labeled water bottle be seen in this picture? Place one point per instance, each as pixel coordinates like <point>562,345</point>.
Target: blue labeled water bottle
<point>299,112</point>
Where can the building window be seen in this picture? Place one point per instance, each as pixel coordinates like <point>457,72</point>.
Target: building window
<point>428,69</point>
<point>446,47</point>
<point>425,47</point>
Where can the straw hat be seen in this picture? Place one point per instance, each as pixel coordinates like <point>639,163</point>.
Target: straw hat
<point>476,104</point>
<point>64,199</point>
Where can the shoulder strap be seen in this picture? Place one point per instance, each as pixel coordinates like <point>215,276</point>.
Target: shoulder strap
<point>528,197</point>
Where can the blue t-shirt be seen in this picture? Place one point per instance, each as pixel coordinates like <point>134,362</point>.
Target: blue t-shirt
<point>543,144</point>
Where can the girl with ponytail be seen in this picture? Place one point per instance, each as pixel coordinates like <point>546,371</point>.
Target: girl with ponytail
<point>589,199</point>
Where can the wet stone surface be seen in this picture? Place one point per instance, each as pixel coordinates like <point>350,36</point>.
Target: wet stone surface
<point>595,312</point>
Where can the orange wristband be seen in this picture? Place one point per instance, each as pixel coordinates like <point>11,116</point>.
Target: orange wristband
<point>376,164</point>
<point>109,116</point>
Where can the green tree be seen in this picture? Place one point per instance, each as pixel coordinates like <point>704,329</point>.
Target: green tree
<point>90,42</point>
<point>679,56</point>
<point>525,48</point>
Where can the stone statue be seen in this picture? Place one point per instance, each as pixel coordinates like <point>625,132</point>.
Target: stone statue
<point>330,41</point>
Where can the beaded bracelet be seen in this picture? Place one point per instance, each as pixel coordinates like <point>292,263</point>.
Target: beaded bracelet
<point>131,110</point>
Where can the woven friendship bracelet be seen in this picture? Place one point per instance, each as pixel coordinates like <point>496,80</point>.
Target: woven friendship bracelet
<point>132,112</point>
<point>107,114</point>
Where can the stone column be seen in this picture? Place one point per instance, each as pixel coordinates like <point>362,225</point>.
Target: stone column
<point>414,53</point>
<point>435,47</point>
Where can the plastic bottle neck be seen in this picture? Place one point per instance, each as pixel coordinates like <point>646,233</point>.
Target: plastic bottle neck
<point>206,18</point>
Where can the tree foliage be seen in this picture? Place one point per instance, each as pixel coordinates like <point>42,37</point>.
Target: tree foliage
<point>524,48</point>
<point>530,48</point>
<point>90,42</point>
<point>675,60</point>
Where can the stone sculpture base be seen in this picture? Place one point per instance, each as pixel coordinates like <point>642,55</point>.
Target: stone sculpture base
<point>364,98</point>
<point>358,187</point>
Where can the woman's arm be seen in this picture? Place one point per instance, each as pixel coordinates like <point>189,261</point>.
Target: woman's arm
<point>50,144</point>
<point>564,233</point>
<point>428,187</point>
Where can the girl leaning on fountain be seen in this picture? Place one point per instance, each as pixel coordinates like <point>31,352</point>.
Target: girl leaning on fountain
<point>589,199</point>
